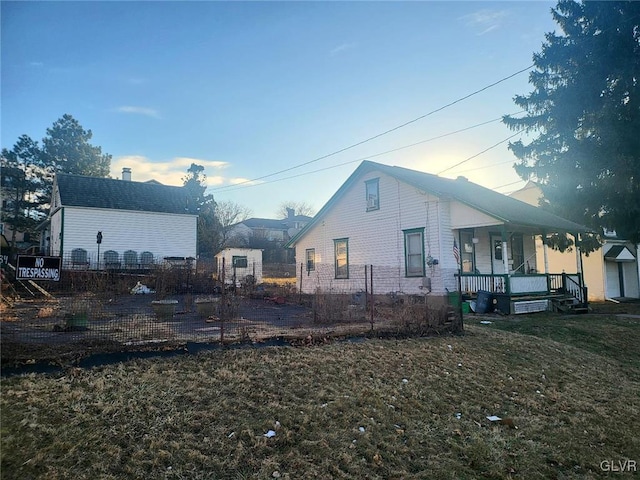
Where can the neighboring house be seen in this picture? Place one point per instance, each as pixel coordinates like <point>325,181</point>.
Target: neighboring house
<point>611,272</point>
<point>140,223</point>
<point>268,234</point>
<point>239,263</point>
<point>426,234</point>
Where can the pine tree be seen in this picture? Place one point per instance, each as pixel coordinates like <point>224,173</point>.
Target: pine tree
<point>585,110</point>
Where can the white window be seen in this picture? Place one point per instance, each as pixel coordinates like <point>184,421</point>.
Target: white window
<point>311,259</point>
<point>372,194</point>
<point>414,252</point>
<point>341,257</point>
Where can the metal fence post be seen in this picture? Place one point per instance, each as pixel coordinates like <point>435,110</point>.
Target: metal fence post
<point>372,300</point>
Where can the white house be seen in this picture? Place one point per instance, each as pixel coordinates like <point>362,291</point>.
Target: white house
<point>239,263</point>
<point>424,234</point>
<point>139,222</point>
<point>610,273</point>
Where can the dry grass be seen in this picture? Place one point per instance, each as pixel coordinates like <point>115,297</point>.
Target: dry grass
<point>279,282</point>
<point>373,409</point>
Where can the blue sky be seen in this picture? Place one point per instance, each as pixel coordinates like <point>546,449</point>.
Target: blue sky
<point>247,89</point>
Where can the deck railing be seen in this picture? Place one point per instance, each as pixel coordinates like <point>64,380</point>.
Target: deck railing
<point>521,285</point>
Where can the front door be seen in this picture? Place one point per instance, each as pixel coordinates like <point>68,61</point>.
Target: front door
<point>497,265</point>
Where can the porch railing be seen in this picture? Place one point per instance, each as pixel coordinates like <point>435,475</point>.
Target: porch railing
<point>520,285</point>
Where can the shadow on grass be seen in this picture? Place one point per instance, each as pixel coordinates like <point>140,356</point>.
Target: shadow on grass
<point>614,336</point>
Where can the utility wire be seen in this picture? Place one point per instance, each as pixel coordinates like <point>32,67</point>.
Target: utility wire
<point>379,134</point>
<point>243,184</point>
<point>483,151</point>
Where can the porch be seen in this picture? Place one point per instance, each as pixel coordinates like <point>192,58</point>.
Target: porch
<point>526,293</point>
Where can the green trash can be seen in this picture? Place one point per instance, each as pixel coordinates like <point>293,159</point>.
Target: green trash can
<point>454,299</point>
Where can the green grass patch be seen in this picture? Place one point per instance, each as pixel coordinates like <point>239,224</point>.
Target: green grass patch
<point>615,337</point>
<point>378,409</point>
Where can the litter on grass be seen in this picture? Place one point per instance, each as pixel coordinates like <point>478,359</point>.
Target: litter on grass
<point>485,322</point>
<point>270,434</point>
<point>493,418</point>
<point>141,289</point>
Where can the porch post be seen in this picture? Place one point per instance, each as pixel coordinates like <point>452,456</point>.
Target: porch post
<point>505,252</point>
<point>545,251</point>
<point>578,255</point>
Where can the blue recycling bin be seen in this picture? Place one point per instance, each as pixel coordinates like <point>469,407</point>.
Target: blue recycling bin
<point>484,302</point>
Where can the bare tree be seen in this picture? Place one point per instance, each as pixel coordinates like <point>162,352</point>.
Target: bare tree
<point>228,215</point>
<point>300,208</point>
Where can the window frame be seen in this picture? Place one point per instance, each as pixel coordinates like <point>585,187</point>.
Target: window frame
<point>234,261</point>
<point>467,251</point>
<point>374,182</point>
<point>336,243</point>
<point>407,233</point>
<point>311,262</point>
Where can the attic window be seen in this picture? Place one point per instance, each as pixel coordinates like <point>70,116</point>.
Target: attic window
<point>372,194</point>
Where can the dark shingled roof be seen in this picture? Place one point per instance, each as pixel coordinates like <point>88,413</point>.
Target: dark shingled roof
<point>97,192</point>
<point>501,207</point>
<point>265,223</point>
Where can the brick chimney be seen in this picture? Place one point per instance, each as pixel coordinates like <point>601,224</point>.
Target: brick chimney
<point>126,174</point>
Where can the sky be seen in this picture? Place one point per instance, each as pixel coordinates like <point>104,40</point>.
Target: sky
<point>268,96</point>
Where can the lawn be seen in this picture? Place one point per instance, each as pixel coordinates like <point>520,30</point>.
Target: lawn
<point>567,389</point>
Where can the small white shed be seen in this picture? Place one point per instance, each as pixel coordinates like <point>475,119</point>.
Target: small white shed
<point>239,263</point>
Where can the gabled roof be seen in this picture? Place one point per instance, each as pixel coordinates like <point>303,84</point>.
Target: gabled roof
<point>272,224</point>
<point>109,193</point>
<point>501,207</point>
<point>619,253</point>
<point>265,223</point>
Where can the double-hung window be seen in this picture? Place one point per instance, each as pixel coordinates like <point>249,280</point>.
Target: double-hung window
<point>372,194</point>
<point>341,247</point>
<point>414,252</point>
<point>311,259</point>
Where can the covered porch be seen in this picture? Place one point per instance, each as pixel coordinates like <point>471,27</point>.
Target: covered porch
<point>507,265</point>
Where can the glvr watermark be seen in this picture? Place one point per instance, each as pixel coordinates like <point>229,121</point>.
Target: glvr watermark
<point>619,466</point>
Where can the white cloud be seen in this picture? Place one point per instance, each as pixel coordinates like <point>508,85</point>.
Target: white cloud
<point>342,48</point>
<point>149,112</point>
<point>243,181</point>
<point>36,64</point>
<point>486,20</point>
<point>187,161</point>
<point>167,172</point>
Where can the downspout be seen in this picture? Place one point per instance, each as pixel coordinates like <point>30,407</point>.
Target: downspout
<point>60,252</point>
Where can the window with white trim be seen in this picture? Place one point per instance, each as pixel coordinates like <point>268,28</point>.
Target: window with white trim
<point>341,247</point>
<point>414,252</point>
<point>311,259</point>
<point>372,194</point>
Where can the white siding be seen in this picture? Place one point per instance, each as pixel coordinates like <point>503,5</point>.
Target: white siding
<point>463,216</point>
<point>254,263</point>
<point>376,237</point>
<point>164,235</point>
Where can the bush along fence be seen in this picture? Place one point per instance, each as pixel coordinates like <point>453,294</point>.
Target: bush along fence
<point>173,305</point>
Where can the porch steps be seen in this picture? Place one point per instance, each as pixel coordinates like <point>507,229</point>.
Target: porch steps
<point>568,304</point>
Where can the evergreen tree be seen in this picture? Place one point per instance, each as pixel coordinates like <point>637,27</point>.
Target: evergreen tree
<point>195,183</point>
<point>66,149</point>
<point>585,110</point>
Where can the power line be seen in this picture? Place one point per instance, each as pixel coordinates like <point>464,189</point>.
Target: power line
<point>379,134</point>
<point>483,151</point>
<point>244,184</point>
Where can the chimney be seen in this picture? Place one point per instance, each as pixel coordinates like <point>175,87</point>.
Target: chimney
<point>290,213</point>
<point>126,174</point>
